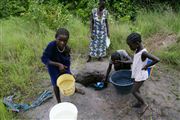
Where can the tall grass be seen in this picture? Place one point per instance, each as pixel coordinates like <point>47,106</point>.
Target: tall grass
<point>21,46</point>
<point>149,23</point>
<point>4,114</point>
<point>166,22</point>
<point>79,36</point>
<point>171,55</point>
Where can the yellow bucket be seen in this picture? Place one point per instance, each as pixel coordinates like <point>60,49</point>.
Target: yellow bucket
<point>66,84</point>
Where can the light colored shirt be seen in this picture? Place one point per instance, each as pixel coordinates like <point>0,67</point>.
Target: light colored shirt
<point>137,73</point>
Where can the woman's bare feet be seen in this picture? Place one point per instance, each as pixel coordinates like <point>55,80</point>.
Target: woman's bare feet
<point>100,59</point>
<point>89,59</point>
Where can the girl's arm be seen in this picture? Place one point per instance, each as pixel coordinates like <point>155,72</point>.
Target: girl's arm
<point>59,65</point>
<point>151,57</point>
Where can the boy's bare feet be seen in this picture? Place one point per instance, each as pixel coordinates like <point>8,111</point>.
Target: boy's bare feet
<point>80,91</point>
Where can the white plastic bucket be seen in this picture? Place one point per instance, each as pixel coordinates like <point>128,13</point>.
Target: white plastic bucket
<point>63,111</point>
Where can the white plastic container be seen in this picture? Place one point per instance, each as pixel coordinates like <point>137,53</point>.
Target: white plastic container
<point>63,111</point>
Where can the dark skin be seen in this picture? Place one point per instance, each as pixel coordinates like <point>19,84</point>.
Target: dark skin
<point>100,13</point>
<point>137,46</point>
<point>61,42</point>
<point>116,63</point>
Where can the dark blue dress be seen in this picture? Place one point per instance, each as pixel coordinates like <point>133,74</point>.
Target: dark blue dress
<point>51,53</point>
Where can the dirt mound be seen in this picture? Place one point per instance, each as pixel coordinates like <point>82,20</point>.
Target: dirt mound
<point>160,41</point>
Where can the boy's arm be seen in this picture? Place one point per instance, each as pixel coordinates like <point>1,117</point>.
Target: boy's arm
<point>108,71</point>
<point>151,57</point>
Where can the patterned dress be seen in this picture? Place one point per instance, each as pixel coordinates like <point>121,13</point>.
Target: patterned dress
<point>98,44</point>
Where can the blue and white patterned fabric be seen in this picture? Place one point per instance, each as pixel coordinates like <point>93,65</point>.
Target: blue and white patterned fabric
<point>98,44</point>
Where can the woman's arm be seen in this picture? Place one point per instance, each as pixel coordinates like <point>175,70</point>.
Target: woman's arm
<point>107,25</point>
<point>91,25</point>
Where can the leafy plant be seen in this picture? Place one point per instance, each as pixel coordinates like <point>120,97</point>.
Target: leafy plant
<point>13,7</point>
<point>53,15</point>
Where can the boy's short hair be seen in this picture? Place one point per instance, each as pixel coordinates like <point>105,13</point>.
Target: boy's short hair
<point>115,56</point>
<point>62,31</point>
<point>134,37</point>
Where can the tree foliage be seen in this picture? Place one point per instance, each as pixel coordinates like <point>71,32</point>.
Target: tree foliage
<point>55,12</point>
<point>13,7</point>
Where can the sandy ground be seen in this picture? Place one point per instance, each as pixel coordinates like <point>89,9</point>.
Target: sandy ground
<point>161,92</point>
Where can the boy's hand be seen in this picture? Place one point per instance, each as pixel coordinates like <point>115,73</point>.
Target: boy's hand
<point>118,61</point>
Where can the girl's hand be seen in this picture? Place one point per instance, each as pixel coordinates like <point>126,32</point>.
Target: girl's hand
<point>62,67</point>
<point>145,68</point>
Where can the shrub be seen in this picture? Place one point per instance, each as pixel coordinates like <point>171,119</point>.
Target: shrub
<point>13,7</point>
<point>53,15</point>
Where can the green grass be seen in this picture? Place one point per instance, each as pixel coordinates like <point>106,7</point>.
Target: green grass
<point>21,47</point>
<point>171,55</point>
<point>79,36</point>
<point>149,23</point>
<point>22,42</point>
<point>4,114</point>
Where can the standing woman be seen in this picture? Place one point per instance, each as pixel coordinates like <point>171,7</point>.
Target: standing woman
<point>99,32</point>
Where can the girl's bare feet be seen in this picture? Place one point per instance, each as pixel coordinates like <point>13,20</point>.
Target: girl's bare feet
<point>144,107</point>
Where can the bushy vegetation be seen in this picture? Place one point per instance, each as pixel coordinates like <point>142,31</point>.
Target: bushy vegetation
<point>4,114</point>
<point>23,38</point>
<point>52,14</point>
<point>22,43</point>
<point>171,55</point>
<point>21,47</point>
<point>13,7</point>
